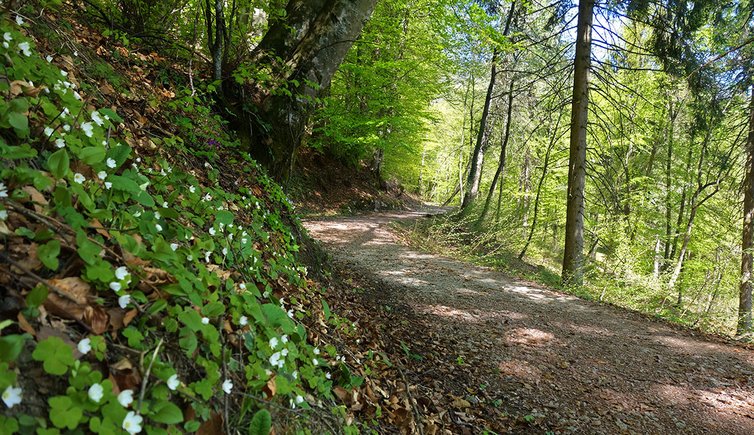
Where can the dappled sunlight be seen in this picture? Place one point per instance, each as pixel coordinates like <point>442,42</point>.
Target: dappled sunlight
<point>529,337</point>
<point>520,369</point>
<point>694,347</point>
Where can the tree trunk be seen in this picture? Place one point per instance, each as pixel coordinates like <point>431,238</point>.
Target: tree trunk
<point>306,47</point>
<point>477,159</point>
<point>573,256</point>
<point>747,241</point>
<point>541,182</point>
<point>503,148</point>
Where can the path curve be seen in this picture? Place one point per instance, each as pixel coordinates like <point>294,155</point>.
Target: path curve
<point>573,366</point>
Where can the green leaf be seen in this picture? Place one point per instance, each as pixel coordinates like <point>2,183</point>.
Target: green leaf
<point>191,319</point>
<point>261,423</point>
<point>326,310</point>
<point>11,346</point>
<point>55,355</point>
<point>48,254</point>
<point>187,340</point>
<point>124,184</point>
<point>64,413</point>
<point>213,309</point>
<point>88,250</point>
<point>166,412</point>
<point>92,155</point>
<point>36,296</point>
<point>58,163</point>
<point>20,123</point>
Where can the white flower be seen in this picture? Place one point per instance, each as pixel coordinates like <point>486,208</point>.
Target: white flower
<point>275,359</point>
<point>49,131</point>
<point>3,191</point>
<point>19,20</point>
<point>165,204</point>
<point>315,362</point>
<point>225,251</point>
<point>295,375</point>
<point>158,227</point>
<point>244,240</point>
<point>97,118</point>
<point>192,189</point>
<point>242,286</point>
<point>115,285</point>
<point>78,178</point>
<point>66,127</point>
<point>101,175</point>
<point>284,352</point>
<point>25,48</point>
<point>273,342</point>
<point>173,382</point>
<point>59,142</point>
<point>48,58</point>
<point>88,129</point>
<point>243,321</point>
<point>124,300</point>
<point>205,320</point>
<point>84,346</point>
<point>6,45</point>
<point>96,392</point>
<point>12,396</point>
<point>299,399</point>
<point>190,257</point>
<point>227,386</point>
<point>121,273</point>
<point>316,351</point>
<point>132,423</point>
<point>3,215</point>
<point>125,398</point>
<point>208,197</point>
<point>212,231</point>
<point>7,36</point>
<point>110,163</point>
<point>328,375</point>
<point>76,95</point>
<point>157,215</point>
<point>284,339</point>
<point>290,313</point>
<point>108,185</point>
<point>174,246</point>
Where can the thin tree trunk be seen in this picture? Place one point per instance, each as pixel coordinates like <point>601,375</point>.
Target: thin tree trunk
<point>573,256</point>
<point>477,159</point>
<point>503,148</point>
<point>541,182</point>
<point>744,325</point>
<point>526,194</point>
<point>672,112</point>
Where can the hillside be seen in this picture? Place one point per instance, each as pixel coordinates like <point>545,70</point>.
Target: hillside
<point>153,276</point>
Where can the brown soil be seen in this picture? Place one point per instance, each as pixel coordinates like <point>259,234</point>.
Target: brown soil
<point>486,351</point>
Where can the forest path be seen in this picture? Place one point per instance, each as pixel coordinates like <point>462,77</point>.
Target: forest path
<point>492,349</point>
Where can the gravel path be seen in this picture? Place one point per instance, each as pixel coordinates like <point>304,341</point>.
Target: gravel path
<point>568,365</point>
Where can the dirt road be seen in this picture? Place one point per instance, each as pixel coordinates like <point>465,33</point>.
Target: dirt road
<point>516,357</point>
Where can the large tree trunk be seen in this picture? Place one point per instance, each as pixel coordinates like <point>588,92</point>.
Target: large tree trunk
<point>747,241</point>
<point>312,41</point>
<point>573,256</point>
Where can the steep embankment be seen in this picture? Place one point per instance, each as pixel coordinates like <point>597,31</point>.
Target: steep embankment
<point>149,270</point>
<point>483,350</point>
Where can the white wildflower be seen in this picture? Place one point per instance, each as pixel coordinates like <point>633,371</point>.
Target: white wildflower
<point>48,58</point>
<point>121,272</point>
<point>284,339</point>
<point>243,321</point>
<point>96,392</point>
<point>111,163</point>
<point>316,351</point>
<point>174,246</point>
<point>97,118</point>
<point>212,231</point>
<point>3,215</point>
<point>192,189</point>
<point>79,178</point>
<point>3,191</point>
<point>7,36</point>
<point>299,399</point>
<point>49,131</point>
<point>227,386</point>
<point>205,320</point>
<point>25,48</point>
<point>19,20</point>
<point>132,423</point>
<point>59,142</point>
<point>101,175</point>
<point>173,382</point>
<point>12,396</point>
<point>108,185</point>
<point>273,342</point>
<point>115,286</point>
<point>124,300</point>
<point>125,398</point>
<point>84,346</point>
<point>88,129</point>
<point>158,227</point>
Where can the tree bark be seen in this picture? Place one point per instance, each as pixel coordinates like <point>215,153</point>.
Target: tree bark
<point>306,47</point>
<point>503,148</point>
<point>573,256</point>
<point>744,325</point>
<point>477,158</point>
